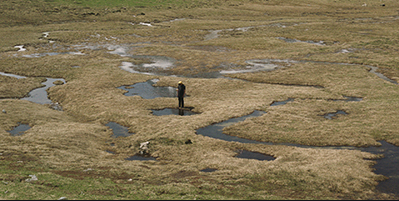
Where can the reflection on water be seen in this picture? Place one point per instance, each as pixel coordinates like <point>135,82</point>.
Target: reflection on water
<point>173,111</point>
<point>19,130</point>
<point>118,130</point>
<point>334,114</point>
<point>12,75</point>
<point>147,91</point>
<point>39,95</point>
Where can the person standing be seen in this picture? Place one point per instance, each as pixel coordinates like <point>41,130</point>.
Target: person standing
<point>181,91</point>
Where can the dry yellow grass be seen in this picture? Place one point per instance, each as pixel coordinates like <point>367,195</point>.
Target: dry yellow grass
<point>76,138</point>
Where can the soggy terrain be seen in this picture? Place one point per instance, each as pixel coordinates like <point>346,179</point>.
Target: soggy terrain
<point>88,106</point>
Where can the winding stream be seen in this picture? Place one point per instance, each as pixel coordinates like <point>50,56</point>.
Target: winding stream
<point>386,166</point>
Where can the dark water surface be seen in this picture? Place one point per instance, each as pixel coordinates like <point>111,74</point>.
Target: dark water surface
<point>254,155</point>
<point>173,111</point>
<point>140,158</point>
<point>19,130</point>
<point>118,130</point>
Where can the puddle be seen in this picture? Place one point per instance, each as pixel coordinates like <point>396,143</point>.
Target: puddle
<point>277,103</point>
<point>270,64</point>
<point>350,99</point>
<point>118,130</point>
<point>157,63</point>
<point>20,47</point>
<point>39,95</point>
<point>213,34</point>
<point>37,55</point>
<point>111,152</point>
<point>254,66</point>
<point>173,111</point>
<point>334,114</point>
<point>147,91</point>
<point>288,40</point>
<point>254,155</point>
<point>140,158</point>
<point>160,64</point>
<point>129,67</point>
<point>208,170</point>
<point>19,130</point>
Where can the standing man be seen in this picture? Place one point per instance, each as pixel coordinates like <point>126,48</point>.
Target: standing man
<point>181,91</point>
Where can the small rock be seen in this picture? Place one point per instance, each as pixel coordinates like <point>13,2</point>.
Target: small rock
<point>144,148</point>
<point>143,145</point>
<point>88,169</point>
<point>62,198</point>
<point>33,178</point>
<point>4,111</point>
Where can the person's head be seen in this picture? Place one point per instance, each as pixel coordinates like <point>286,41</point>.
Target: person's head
<point>180,82</point>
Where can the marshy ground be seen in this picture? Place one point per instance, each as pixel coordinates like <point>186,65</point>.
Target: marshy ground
<point>235,57</point>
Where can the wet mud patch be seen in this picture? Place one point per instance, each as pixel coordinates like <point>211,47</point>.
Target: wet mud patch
<point>118,130</point>
<point>209,170</point>
<point>254,155</point>
<point>334,115</point>
<point>19,130</point>
<point>289,40</point>
<point>174,111</point>
<point>350,99</point>
<point>140,158</point>
<point>110,152</point>
<point>277,103</point>
<point>147,91</point>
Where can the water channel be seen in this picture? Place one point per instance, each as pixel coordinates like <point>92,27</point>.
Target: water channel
<point>386,166</point>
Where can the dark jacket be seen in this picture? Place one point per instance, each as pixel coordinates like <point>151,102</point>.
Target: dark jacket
<point>181,90</point>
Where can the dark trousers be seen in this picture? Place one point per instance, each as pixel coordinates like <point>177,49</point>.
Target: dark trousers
<point>181,101</point>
